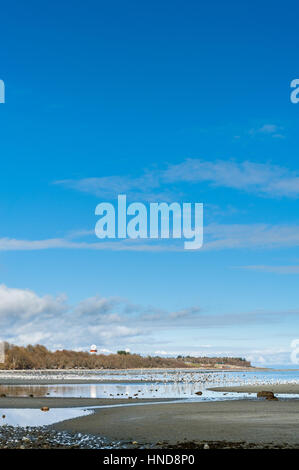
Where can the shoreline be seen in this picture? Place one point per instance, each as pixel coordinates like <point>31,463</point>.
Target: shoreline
<point>285,388</point>
<point>160,423</point>
<point>154,369</point>
<point>253,422</point>
<point>232,424</point>
<point>71,402</point>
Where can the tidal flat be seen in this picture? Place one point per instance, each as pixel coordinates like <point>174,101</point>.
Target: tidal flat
<point>149,408</point>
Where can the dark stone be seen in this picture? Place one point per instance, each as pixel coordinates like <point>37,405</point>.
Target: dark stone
<point>266,394</point>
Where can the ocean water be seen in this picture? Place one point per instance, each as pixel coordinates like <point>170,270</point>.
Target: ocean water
<point>36,417</point>
<point>149,384</point>
<point>133,384</point>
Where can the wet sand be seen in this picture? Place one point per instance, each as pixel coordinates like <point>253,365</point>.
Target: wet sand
<point>72,402</point>
<point>235,420</point>
<point>289,388</point>
<point>68,381</point>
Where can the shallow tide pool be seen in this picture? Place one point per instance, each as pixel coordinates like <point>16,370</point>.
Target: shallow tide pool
<point>36,417</point>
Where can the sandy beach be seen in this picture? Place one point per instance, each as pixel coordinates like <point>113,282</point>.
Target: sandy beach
<point>257,422</point>
<point>287,388</point>
<point>53,402</point>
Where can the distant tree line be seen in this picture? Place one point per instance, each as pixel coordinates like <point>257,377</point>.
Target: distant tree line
<point>234,361</point>
<point>39,357</point>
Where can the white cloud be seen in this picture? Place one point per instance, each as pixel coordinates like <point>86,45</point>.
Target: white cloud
<point>95,306</point>
<point>226,236</point>
<point>12,244</point>
<point>216,237</point>
<point>7,244</point>
<point>184,312</point>
<point>270,356</point>
<point>262,179</point>
<point>268,129</point>
<point>114,324</point>
<point>121,331</point>
<point>36,337</point>
<point>145,187</point>
<point>259,178</point>
<point>26,303</point>
<point>289,269</point>
<point>27,317</point>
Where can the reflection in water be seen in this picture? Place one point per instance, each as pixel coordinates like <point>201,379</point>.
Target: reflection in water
<point>153,384</point>
<point>33,417</point>
<point>145,390</point>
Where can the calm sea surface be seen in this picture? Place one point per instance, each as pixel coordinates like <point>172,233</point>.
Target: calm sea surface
<point>146,384</point>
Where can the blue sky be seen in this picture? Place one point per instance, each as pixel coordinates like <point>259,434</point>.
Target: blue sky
<point>162,101</point>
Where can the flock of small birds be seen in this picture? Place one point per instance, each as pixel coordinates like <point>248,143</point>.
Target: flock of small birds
<point>142,384</point>
<point>178,384</point>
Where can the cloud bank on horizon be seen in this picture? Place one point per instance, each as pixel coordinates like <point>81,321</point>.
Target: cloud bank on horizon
<point>115,323</point>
